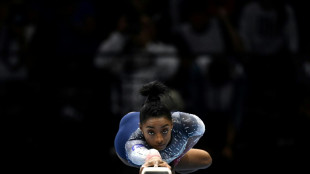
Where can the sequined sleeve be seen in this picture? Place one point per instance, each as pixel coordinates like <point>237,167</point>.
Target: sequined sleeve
<point>136,152</point>
<point>192,124</point>
<point>187,130</point>
<point>194,128</point>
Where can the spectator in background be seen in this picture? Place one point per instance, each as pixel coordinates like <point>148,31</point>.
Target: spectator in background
<point>268,29</point>
<point>134,54</point>
<point>206,28</point>
<point>210,74</point>
<point>13,42</point>
<point>269,33</point>
<point>204,35</point>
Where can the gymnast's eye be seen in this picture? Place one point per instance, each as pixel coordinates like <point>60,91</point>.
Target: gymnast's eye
<point>165,131</point>
<point>150,132</point>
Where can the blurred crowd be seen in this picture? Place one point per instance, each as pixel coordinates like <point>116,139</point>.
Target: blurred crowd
<point>69,71</point>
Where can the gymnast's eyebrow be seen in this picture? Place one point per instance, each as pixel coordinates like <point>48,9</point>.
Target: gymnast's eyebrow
<point>166,125</point>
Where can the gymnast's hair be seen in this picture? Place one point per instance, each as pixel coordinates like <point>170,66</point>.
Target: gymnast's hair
<point>153,107</point>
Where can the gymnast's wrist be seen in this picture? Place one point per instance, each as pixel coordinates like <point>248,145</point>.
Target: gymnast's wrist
<point>153,153</point>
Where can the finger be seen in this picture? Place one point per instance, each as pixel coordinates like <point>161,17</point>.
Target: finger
<point>165,165</point>
<point>141,169</point>
<point>156,164</point>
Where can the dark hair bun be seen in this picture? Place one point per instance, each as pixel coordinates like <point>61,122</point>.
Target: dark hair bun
<point>153,89</point>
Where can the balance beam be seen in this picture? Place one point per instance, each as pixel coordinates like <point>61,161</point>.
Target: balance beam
<point>156,170</point>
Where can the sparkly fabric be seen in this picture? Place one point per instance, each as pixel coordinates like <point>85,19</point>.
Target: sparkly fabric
<point>187,130</point>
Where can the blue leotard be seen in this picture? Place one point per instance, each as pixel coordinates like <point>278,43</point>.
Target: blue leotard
<point>131,146</point>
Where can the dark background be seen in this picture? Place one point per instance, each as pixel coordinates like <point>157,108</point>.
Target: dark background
<point>60,111</point>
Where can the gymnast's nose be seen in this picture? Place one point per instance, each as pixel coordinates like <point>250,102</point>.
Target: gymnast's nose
<point>159,139</point>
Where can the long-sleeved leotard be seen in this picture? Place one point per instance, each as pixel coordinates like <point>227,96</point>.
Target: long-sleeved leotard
<point>131,146</point>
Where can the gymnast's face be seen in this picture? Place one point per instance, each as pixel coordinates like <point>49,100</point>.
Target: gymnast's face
<point>157,132</point>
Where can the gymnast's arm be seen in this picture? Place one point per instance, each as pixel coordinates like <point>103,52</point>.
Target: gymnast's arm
<point>137,151</point>
<point>139,155</point>
<point>194,159</point>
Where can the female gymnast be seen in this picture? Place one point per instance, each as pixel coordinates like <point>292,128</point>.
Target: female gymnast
<point>156,136</point>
